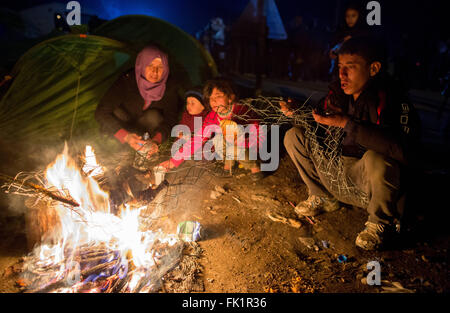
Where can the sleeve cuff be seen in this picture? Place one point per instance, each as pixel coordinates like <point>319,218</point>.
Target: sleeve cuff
<point>121,135</point>
<point>176,162</point>
<point>350,127</point>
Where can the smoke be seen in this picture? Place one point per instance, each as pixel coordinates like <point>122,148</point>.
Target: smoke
<point>22,157</point>
<point>15,205</point>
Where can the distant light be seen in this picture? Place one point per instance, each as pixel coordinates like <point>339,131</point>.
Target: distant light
<point>58,16</point>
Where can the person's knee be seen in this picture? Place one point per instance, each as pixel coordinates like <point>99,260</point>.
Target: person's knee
<point>292,137</point>
<point>373,159</point>
<point>378,166</point>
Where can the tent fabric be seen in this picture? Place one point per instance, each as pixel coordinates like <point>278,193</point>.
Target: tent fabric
<point>41,100</point>
<point>59,82</point>
<point>274,22</point>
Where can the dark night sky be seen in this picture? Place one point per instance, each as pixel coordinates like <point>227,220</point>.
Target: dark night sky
<point>191,15</point>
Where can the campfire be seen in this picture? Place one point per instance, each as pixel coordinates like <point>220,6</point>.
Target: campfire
<point>89,249</point>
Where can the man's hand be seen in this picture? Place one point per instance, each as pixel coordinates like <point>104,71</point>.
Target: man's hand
<point>337,120</point>
<point>286,109</point>
<point>134,141</point>
<point>168,165</point>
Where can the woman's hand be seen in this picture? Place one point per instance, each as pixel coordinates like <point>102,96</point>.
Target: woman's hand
<point>134,141</point>
<point>168,165</point>
<point>153,148</point>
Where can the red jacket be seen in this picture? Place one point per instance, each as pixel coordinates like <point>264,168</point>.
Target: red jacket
<point>240,114</point>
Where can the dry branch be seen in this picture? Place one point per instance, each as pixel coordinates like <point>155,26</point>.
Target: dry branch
<point>39,189</point>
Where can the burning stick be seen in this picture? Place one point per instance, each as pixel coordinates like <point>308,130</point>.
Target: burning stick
<point>113,260</point>
<point>160,280</point>
<point>98,268</point>
<point>39,189</point>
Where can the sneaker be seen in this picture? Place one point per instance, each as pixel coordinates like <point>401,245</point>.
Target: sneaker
<point>315,205</point>
<point>371,237</point>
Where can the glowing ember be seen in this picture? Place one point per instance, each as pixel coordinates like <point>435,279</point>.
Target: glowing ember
<point>93,250</point>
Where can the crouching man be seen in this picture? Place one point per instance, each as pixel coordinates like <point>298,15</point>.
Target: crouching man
<point>380,133</point>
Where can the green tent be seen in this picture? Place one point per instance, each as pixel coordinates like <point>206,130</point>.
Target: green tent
<point>59,82</point>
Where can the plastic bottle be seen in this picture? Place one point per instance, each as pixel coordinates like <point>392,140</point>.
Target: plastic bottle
<point>141,154</point>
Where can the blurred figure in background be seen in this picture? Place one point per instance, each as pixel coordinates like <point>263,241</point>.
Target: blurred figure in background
<point>352,26</point>
<point>213,39</point>
<point>300,47</point>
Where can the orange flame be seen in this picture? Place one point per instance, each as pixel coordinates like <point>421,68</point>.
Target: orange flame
<point>93,223</point>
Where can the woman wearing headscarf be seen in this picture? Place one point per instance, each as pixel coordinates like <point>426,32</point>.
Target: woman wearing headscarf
<point>142,100</point>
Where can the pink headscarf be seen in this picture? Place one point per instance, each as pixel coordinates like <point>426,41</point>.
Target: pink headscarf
<point>151,91</point>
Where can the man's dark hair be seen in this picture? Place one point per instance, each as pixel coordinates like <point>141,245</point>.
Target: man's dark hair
<point>369,48</point>
<point>222,84</point>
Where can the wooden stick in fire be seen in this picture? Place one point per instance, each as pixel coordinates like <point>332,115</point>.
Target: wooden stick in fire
<point>41,190</point>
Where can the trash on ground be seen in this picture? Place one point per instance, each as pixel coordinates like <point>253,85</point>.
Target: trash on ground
<point>220,189</point>
<point>215,194</point>
<point>394,287</point>
<point>189,231</point>
<point>308,242</point>
<point>277,217</point>
<point>237,199</point>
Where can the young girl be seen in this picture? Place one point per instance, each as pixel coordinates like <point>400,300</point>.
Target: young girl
<point>352,26</point>
<point>225,116</point>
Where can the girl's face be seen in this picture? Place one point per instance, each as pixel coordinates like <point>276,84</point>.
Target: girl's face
<point>193,106</point>
<point>220,102</point>
<point>351,17</point>
<point>154,71</point>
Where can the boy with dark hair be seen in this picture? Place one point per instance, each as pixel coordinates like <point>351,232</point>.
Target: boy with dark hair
<point>380,130</point>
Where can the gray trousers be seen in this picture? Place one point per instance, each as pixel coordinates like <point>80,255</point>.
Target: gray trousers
<point>374,175</point>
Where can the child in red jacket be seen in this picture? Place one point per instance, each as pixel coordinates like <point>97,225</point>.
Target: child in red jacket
<point>224,118</point>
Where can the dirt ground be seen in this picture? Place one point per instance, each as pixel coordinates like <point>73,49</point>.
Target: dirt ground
<point>245,251</point>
